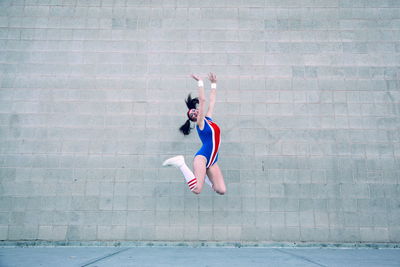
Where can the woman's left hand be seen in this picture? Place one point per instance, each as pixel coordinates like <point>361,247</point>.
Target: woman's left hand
<point>212,77</point>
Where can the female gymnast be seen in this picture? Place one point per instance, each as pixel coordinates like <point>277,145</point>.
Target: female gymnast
<point>205,160</point>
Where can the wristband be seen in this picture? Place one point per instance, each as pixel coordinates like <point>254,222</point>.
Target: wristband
<point>213,86</point>
<point>200,83</point>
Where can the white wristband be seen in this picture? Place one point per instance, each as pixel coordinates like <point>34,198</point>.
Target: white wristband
<point>213,86</point>
<point>200,83</point>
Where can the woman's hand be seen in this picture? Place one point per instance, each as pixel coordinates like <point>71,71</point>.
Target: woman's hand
<point>212,77</point>
<point>197,78</point>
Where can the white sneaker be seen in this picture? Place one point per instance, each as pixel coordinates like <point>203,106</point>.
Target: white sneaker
<point>175,161</point>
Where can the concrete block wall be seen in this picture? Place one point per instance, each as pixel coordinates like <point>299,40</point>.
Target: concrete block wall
<point>308,101</point>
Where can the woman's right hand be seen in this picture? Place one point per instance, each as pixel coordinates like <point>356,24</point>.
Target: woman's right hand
<point>196,77</point>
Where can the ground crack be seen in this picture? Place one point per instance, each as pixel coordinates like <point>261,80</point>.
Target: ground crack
<point>105,257</point>
<point>300,257</point>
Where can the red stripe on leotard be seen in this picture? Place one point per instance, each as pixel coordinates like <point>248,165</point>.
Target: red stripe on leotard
<point>216,139</point>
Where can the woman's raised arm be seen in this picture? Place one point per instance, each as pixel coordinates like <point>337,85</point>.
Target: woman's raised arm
<point>202,100</point>
<point>213,79</point>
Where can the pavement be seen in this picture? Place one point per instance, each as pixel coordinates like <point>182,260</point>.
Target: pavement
<point>196,256</point>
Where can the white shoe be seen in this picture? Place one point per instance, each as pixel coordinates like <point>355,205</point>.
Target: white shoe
<point>175,161</point>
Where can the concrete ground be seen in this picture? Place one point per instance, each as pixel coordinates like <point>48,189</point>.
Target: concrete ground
<point>189,256</point>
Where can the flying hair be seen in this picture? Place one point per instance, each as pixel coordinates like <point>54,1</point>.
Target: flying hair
<point>191,103</point>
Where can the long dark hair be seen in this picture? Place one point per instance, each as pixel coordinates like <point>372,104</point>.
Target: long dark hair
<point>190,103</point>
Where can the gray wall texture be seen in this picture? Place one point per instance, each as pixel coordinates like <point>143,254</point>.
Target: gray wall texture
<point>308,101</point>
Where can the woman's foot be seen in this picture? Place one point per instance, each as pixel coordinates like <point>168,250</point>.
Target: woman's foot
<point>176,161</point>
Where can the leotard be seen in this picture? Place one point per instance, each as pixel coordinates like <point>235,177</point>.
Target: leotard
<point>210,136</point>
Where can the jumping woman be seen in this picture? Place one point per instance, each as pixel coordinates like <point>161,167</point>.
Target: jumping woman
<point>205,160</point>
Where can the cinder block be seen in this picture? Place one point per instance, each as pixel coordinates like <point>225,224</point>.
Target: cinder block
<point>15,11</point>
<point>119,217</point>
<point>148,232</point>
<point>28,232</point>
<point>4,232</point>
<point>111,232</point>
<point>192,233</point>
<point>120,203</point>
<point>376,234</point>
<point>292,219</point>
<point>393,233</point>
<point>133,233</point>
<point>278,233</point>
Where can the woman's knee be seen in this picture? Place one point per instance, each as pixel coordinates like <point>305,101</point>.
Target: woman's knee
<point>220,190</point>
<point>197,190</point>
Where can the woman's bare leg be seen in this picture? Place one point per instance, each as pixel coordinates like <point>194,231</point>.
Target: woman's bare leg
<point>216,177</point>
<point>199,169</point>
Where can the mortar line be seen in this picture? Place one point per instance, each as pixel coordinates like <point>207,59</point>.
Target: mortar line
<point>300,257</point>
<point>105,257</point>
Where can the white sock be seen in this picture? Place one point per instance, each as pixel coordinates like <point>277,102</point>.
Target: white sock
<point>189,176</point>
<point>190,179</point>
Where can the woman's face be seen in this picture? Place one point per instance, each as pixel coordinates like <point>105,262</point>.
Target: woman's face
<point>193,113</point>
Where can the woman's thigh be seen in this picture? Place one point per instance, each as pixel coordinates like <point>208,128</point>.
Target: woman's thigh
<point>216,177</point>
<point>199,170</point>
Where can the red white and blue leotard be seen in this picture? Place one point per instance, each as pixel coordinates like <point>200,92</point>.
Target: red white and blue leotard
<point>210,136</point>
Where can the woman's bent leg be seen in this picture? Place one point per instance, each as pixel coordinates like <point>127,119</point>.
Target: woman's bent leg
<point>179,162</point>
<point>199,167</point>
<point>216,177</point>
